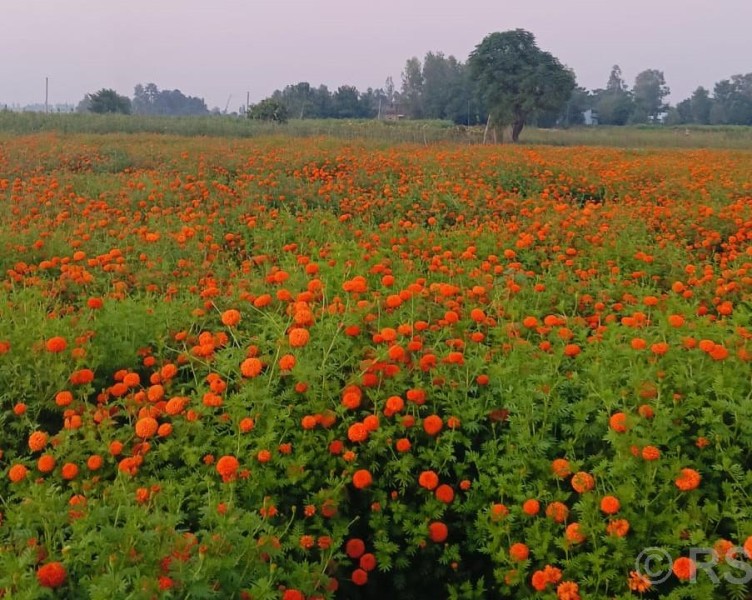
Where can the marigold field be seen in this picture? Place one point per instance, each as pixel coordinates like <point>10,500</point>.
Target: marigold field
<point>299,369</point>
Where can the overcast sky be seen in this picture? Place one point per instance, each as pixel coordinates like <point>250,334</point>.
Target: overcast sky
<point>221,48</point>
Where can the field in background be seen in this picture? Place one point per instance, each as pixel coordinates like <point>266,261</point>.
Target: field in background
<point>250,368</point>
<point>419,132</point>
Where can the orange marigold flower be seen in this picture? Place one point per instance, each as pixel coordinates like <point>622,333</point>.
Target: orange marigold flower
<point>618,527</point>
<point>46,463</point>
<point>354,548</point>
<point>287,362</point>
<point>146,427</point>
<point>688,479</point>
<point>394,404</point>
<point>557,511</point>
<point>568,590</point>
<point>63,398</point>
<point>659,348</point>
<point>748,547</point>
<point>251,367</point>
<point>227,466</point>
<point>573,534</point>
<point>367,562</point>
<point>359,577</point>
<point>444,493</point>
<point>371,422</point>
<point>582,482</point>
<point>553,574</point>
<point>428,480</point>
<point>298,337</point>
<point>82,377</point>
<point>684,568</point>
<point>610,505</point>
<point>231,317</point>
<point>519,552</point>
<point>52,575</point>
<point>69,471</point>
<point>675,320</point>
<point>498,511</point>
<point>175,405</point>
<point>362,479</point>
<point>17,473</point>
<point>432,424</point>
<point>723,549</point>
<point>618,422</point>
<point>531,507</point>
<point>638,582</point>
<point>560,467</point>
<point>56,344</point>
<point>403,445</point>
<point>95,303</point>
<point>438,532</point>
<point>538,581</point>
<point>94,462</point>
<point>646,411</point>
<point>651,453</point>
<point>37,441</point>
<point>132,379</point>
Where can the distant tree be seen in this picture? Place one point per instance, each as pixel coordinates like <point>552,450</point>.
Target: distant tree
<point>681,114</point>
<point>616,81</point>
<point>700,105</point>
<point>107,101</point>
<point>347,104</point>
<point>150,100</point>
<point>732,101</point>
<point>571,114</point>
<point>649,92</point>
<point>268,110</point>
<point>517,79</point>
<point>412,88</point>
<point>84,105</point>
<point>370,100</point>
<point>579,103</point>
<point>298,98</point>
<point>614,104</point>
<point>441,76</point>
<point>673,116</point>
<point>389,90</point>
<point>323,103</point>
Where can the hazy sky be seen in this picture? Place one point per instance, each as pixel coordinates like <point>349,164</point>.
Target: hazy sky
<point>221,48</point>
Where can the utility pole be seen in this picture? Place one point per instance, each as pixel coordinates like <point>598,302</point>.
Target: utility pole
<point>247,101</point>
<point>46,95</point>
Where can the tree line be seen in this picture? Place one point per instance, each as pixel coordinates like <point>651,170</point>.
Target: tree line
<point>443,87</point>
<point>506,82</point>
<point>147,100</point>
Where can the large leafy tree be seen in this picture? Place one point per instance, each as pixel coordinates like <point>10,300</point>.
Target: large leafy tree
<point>649,92</point>
<point>107,101</point>
<point>732,101</point>
<point>412,88</point>
<point>614,105</point>
<point>517,79</point>
<point>700,105</point>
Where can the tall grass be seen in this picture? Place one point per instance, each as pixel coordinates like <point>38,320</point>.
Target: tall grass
<point>421,132</point>
<point>228,126</point>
